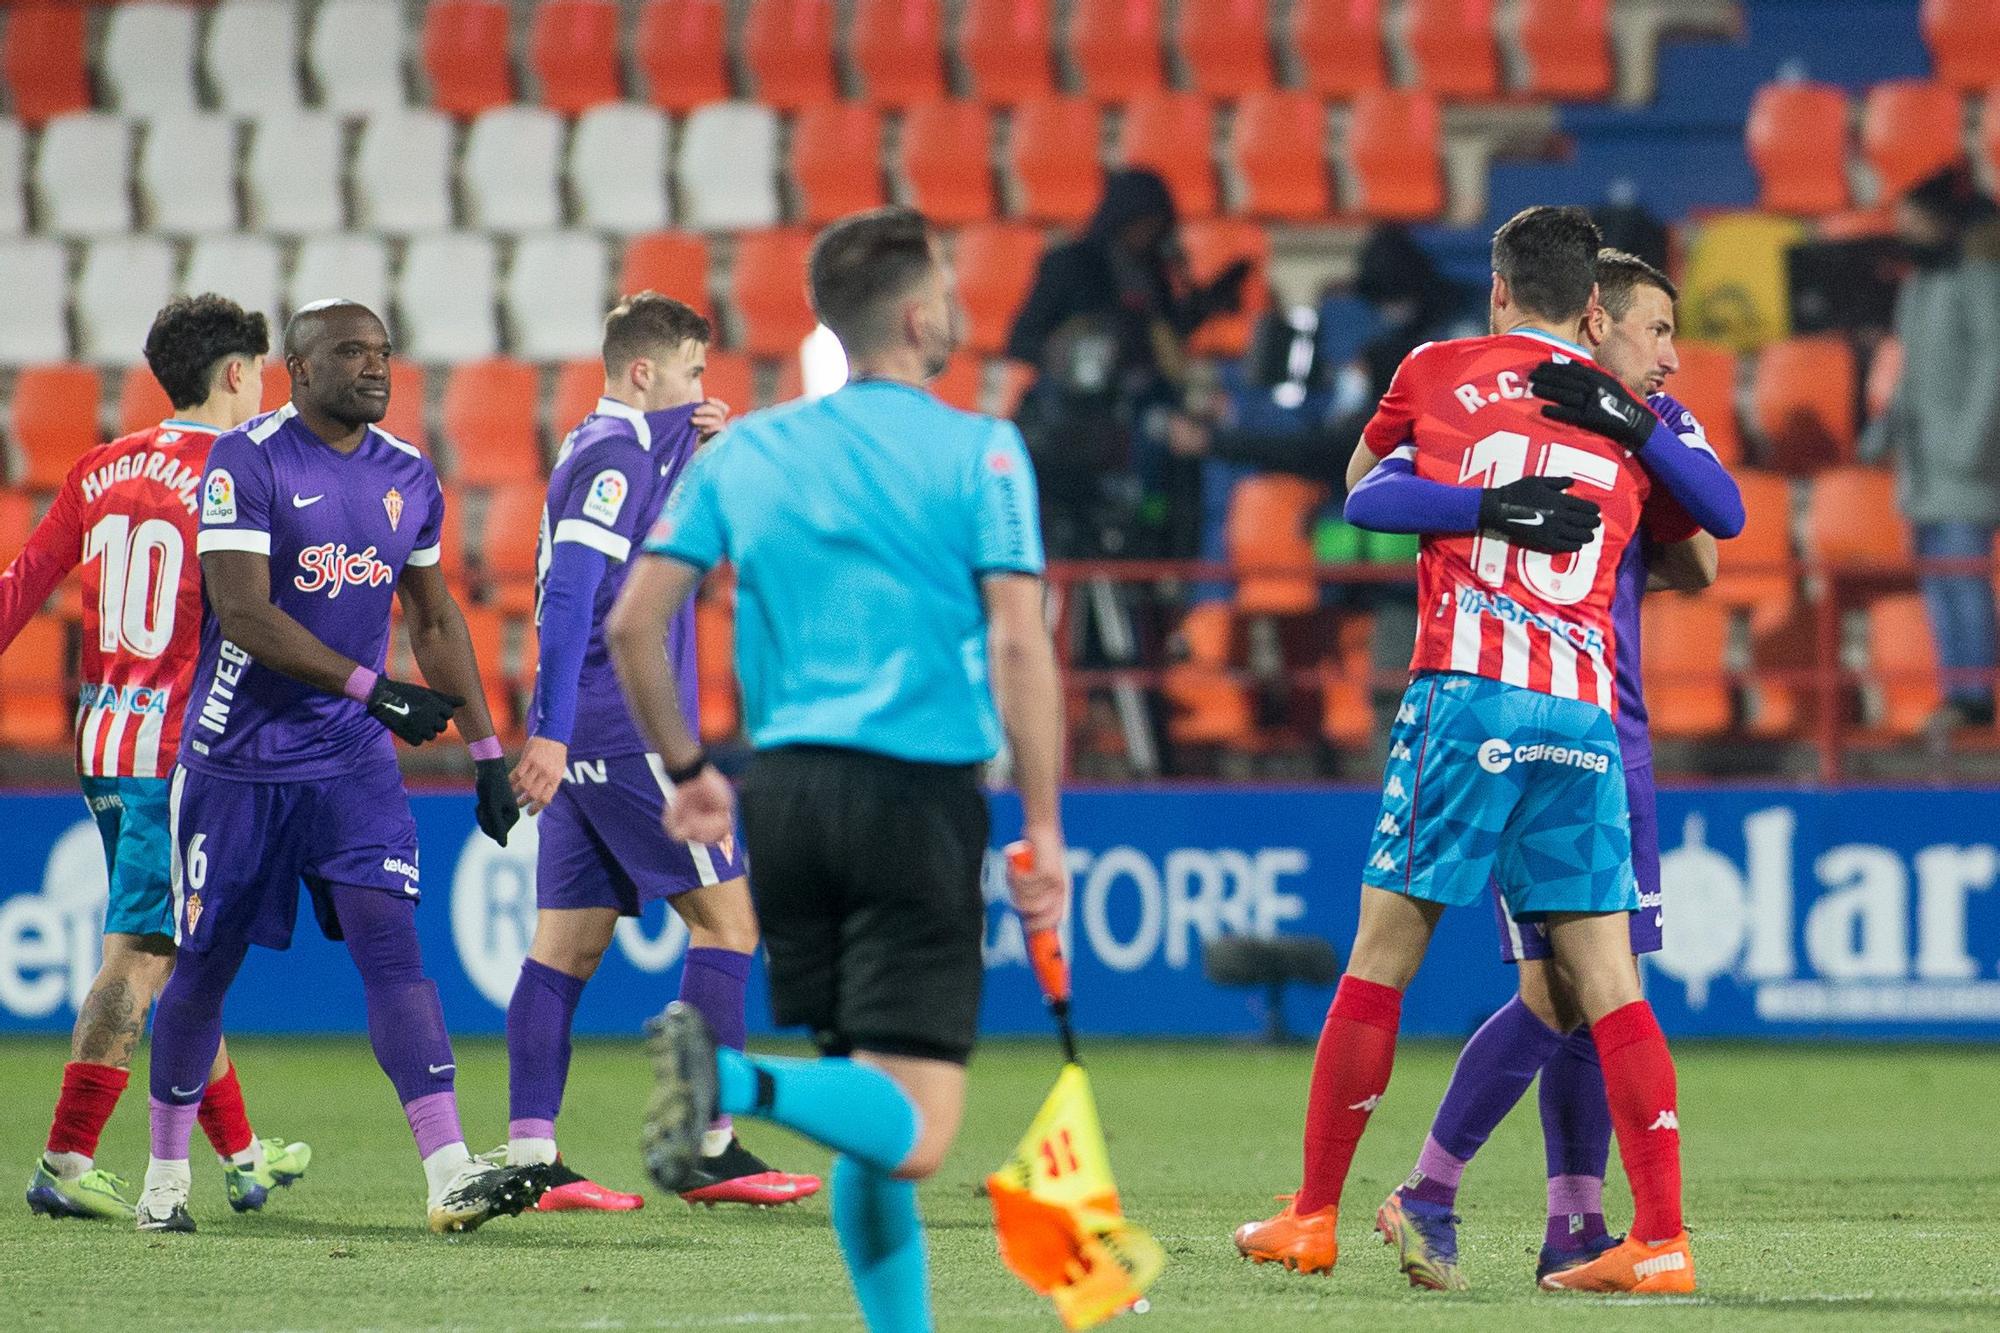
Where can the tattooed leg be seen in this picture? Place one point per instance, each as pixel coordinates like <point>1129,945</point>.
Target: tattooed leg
<point>113,1016</point>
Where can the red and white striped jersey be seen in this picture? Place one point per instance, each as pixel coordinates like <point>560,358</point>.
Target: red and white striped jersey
<point>127,512</point>
<point>1462,412</point>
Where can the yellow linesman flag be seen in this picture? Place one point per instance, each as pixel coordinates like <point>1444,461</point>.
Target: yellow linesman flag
<point>1055,1207</point>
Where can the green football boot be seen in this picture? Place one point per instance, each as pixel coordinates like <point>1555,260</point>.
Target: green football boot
<point>250,1186</point>
<point>95,1193</point>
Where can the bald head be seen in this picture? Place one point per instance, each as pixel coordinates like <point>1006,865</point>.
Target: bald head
<point>310,323</point>
<point>337,354</point>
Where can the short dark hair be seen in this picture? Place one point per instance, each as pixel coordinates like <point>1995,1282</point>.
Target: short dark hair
<point>1549,258</point>
<point>646,322</point>
<point>1621,275</point>
<point>862,263</point>
<point>192,335</point>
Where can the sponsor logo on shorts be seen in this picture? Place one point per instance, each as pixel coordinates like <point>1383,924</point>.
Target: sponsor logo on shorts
<point>1497,756</point>
<point>396,865</point>
<point>1394,787</point>
<point>1388,825</point>
<point>218,497</point>
<point>331,566</point>
<point>1407,715</point>
<point>607,496</point>
<point>1398,750</point>
<point>1382,861</point>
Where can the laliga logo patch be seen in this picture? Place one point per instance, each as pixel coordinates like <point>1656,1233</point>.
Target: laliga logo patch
<point>392,504</point>
<point>607,496</point>
<point>218,498</point>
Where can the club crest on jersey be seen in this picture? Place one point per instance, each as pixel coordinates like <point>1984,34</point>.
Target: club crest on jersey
<point>392,503</point>
<point>193,911</point>
<point>332,567</point>
<point>606,498</point>
<point>218,497</point>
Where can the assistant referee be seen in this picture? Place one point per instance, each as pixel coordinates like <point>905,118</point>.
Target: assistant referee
<point>888,560</point>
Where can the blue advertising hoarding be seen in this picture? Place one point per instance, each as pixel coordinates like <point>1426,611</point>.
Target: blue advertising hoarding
<point>1790,914</point>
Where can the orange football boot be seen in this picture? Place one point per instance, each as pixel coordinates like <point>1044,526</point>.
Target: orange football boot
<point>1632,1265</point>
<point>1302,1244</point>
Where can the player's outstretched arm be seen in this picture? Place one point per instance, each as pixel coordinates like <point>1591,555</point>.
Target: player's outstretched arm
<point>1028,690</point>
<point>442,646</point>
<point>1537,513</point>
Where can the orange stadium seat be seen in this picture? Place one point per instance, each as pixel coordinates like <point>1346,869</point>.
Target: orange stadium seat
<point>897,47</point>
<point>1452,45</point>
<point>489,420</point>
<point>836,160</point>
<point>1706,386</point>
<point>961,383</point>
<point>1684,642</point>
<point>1339,46</point>
<point>1347,707</point>
<point>1910,129</point>
<point>672,263</point>
<point>406,403</point>
<point>996,267</point>
<point>1212,247</point>
<point>1989,130</point>
<point>466,48</point>
<point>1004,46</point>
<point>573,50</point>
<point>729,377</point>
<point>768,287</point>
<point>1172,133</point>
<point>1054,157</point>
<point>1210,706</point>
<point>452,553</point>
<point>53,420</point>
<point>1566,47</point>
<point>1903,659</point>
<point>1226,45</point>
<point>142,403</point>
<point>507,544</point>
<point>1756,572</point>
<point>278,386</point>
<point>579,384</point>
<point>487,626</point>
<point>1964,41</point>
<point>683,48</point>
<point>1278,146</point>
<point>1266,532</point>
<point>1803,400</point>
<point>1115,48</point>
<point>1781,704</point>
<point>1852,519</point>
<point>788,46</point>
<point>947,159</point>
<point>42,58</point>
<point>715,656</point>
<point>1797,141</point>
<point>34,685</point>
<point>1395,145</point>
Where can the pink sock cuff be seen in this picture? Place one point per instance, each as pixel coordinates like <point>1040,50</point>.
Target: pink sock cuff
<point>487,747</point>
<point>531,1129</point>
<point>173,1128</point>
<point>1575,1194</point>
<point>434,1121</point>
<point>1437,1164</point>
<point>359,684</point>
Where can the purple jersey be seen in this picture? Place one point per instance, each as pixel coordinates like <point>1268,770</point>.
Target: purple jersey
<point>610,482</point>
<point>338,529</point>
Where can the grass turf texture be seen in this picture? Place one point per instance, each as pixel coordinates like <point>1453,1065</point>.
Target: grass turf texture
<point>1829,1188</point>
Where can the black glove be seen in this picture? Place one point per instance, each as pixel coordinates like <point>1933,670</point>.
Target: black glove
<point>1225,294</point>
<point>497,810</point>
<point>1585,396</point>
<point>1536,513</point>
<point>414,713</point>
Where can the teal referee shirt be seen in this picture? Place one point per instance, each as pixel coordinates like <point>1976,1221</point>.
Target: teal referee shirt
<point>859,526</point>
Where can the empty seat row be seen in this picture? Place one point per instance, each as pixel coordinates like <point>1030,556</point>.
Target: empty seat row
<point>1800,140</point>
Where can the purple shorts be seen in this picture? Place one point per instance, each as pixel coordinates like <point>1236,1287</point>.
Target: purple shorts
<point>1530,939</point>
<point>240,849</point>
<point>602,844</point>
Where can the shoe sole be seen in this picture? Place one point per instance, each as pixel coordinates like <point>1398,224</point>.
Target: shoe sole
<point>682,1051</point>
<point>1414,1259</point>
<point>179,1222</point>
<point>756,1196</point>
<point>1289,1259</point>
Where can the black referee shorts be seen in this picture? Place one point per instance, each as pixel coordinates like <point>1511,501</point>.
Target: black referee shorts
<point>866,875</point>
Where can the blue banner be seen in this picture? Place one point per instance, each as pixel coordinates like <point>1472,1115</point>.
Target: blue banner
<point>1793,914</point>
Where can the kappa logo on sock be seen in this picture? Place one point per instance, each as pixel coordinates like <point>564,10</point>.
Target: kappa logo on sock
<point>1368,1104</point>
<point>1666,1263</point>
<point>1667,1120</point>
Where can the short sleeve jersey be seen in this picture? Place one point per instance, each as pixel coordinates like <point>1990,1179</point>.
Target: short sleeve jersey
<point>1462,412</point>
<point>339,530</point>
<point>610,481</point>
<point>860,526</point>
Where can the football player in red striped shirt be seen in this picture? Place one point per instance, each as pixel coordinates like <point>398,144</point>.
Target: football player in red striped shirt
<point>127,513</point>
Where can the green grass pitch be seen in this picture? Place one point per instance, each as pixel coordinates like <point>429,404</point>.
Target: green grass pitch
<point>1828,1188</point>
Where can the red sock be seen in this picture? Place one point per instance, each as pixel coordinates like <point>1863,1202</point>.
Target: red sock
<point>222,1115</point>
<point>89,1095</point>
<point>1639,1077</point>
<point>1357,1050</point>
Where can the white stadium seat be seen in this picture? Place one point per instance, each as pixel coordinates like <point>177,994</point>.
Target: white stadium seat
<point>292,172</point>
<point>147,63</point>
<point>349,267</point>
<point>82,174</point>
<point>556,296</point>
<point>356,55</point>
<point>242,267</point>
<point>187,173</point>
<point>251,57</point>
<point>34,272</point>
<point>445,298</point>
<point>728,167</point>
<point>513,155</point>
<point>402,172</point>
<point>13,178</point>
<point>122,285</point>
<point>618,162</point>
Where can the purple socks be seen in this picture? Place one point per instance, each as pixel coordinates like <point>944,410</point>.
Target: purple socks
<point>1576,1131</point>
<point>1493,1072</point>
<point>538,1048</point>
<point>187,1028</point>
<point>712,980</point>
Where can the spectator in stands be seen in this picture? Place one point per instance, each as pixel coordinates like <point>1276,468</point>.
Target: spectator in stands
<point>1104,330</point>
<point>1943,423</point>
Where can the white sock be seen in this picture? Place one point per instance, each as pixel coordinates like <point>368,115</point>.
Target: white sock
<point>169,1175</point>
<point>530,1152</point>
<point>715,1140</point>
<point>442,1167</point>
<point>66,1165</point>
<point>250,1158</point>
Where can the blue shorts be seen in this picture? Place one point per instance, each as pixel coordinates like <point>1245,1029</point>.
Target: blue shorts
<point>131,815</point>
<point>602,844</point>
<point>240,849</point>
<point>1493,782</point>
<point>1530,939</point>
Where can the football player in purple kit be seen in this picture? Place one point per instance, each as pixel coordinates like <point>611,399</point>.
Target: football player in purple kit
<point>312,520</point>
<point>1541,1030</point>
<point>604,852</point>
